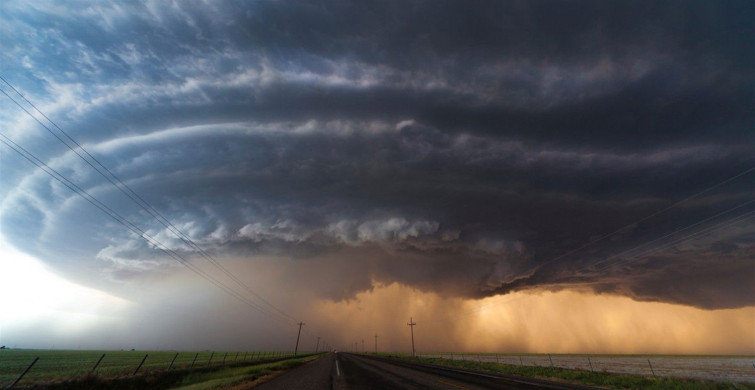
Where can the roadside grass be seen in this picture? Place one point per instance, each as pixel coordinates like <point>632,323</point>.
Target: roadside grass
<point>68,365</point>
<point>600,379</point>
<point>234,376</point>
<point>596,355</point>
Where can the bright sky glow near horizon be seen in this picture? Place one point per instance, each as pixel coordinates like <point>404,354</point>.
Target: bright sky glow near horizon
<point>34,296</point>
<point>516,177</point>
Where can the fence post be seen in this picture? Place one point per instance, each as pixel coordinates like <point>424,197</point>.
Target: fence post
<point>98,362</point>
<point>549,358</point>
<point>194,361</point>
<point>651,367</point>
<point>226,354</point>
<point>23,373</point>
<point>210,359</point>
<point>237,357</point>
<point>140,364</point>
<point>171,362</point>
<point>479,359</point>
<point>590,362</point>
<point>497,360</point>
<point>520,361</point>
<point>243,359</point>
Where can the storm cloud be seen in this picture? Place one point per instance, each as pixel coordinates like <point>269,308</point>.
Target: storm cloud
<point>464,149</point>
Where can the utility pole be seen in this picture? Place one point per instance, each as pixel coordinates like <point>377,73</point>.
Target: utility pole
<point>297,338</point>
<point>411,326</point>
<point>318,344</point>
<point>376,336</point>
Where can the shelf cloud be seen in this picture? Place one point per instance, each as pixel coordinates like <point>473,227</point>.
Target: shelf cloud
<point>465,150</point>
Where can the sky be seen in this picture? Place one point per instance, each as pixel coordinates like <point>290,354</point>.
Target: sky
<point>513,176</point>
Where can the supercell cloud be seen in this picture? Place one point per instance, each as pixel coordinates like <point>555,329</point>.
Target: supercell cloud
<point>464,149</point>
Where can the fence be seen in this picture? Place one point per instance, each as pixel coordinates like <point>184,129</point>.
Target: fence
<point>721,368</point>
<point>19,367</point>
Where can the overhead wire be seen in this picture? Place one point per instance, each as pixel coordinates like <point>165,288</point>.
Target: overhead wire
<point>698,223</point>
<point>131,194</point>
<point>718,226</point>
<point>127,223</point>
<point>140,232</point>
<point>665,209</point>
<point>674,242</point>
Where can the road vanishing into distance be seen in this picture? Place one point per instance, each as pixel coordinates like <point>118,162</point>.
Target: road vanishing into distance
<point>344,371</point>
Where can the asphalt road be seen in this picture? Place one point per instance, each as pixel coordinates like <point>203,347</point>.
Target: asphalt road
<point>351,372</point>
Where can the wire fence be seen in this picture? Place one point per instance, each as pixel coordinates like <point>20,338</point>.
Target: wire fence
<point>720,368</point>
<point>24,367</point>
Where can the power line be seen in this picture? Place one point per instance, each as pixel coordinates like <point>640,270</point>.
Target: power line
<point>135,197</point>
<point>722,225</point>
<point>674,232</point>
<point>655,249</point>
<point>738,175</point>
<point>117,217</point>
<point>128,224</point>
<point>710,229</point>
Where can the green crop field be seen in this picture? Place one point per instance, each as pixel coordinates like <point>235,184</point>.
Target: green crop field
<point>57,365</point>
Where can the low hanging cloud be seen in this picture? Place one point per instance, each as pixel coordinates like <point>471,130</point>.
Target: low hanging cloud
<point>396,141</point>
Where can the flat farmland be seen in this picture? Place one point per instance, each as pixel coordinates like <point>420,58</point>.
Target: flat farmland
<point>717,368</point>
<point>57,365</point>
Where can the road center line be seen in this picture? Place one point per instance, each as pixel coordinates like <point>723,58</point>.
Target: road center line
<point>338,370</point>
<point>452,385</point>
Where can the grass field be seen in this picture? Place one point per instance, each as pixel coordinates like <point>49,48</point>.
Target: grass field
<point>581,376</point>
<point>58,365</point>
<point>719,368</point>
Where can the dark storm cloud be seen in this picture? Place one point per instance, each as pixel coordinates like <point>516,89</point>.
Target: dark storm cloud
<point>452,147</point>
